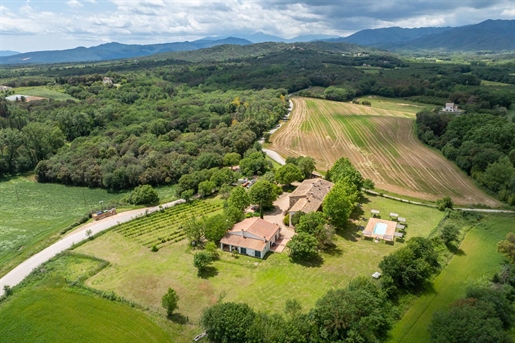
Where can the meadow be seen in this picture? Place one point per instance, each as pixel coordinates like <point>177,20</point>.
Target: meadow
<point>143,276</point>
<point>34,213</point>
<point>477,260</point>
<point>380,141</point>
<point>48,309</point>
<point>44,92</point>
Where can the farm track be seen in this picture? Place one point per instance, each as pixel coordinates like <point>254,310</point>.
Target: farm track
<point>380,143</point>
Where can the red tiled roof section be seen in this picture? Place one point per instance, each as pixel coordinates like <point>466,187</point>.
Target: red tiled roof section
<point>311,194</point>
<point>238,241</point>
<point>258,227</point>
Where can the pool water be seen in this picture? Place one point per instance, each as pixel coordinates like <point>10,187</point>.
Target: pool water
<point>380,228</point>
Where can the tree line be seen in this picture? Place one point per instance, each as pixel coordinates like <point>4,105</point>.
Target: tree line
<point>482,145</point>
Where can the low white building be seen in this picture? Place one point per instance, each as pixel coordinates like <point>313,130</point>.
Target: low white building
<point>252,237</point>
<point>451,107</point>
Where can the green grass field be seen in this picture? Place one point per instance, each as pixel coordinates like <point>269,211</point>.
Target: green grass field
<point>477,259</point>
<point>369,70</point>
<point>44,92</point>
<point>494,83</point>
<point>396,104</point>
<point>32,214</point>
<point>47,309</point>
<point>142,276</point>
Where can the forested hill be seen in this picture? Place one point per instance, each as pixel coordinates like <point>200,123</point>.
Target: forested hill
<point>238,52</point>
<point>111,51</point>
<point>385,36</point>
<point>490,35</point>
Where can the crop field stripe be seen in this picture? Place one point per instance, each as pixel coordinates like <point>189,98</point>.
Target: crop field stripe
<point>382,145</point>
<point>389,162</point>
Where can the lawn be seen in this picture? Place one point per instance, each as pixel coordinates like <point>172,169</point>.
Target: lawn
<point>32,214</point>
<point>44,92</point>
<point>143,276</point>
<point>47,309</point>
<point>477,259</point>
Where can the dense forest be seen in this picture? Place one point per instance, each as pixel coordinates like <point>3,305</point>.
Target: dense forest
<point>182,113</point>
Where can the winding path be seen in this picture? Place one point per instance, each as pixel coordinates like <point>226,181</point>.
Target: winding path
<point>21,271</point>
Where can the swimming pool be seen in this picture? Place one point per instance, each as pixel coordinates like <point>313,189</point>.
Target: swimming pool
<point>380,228</point>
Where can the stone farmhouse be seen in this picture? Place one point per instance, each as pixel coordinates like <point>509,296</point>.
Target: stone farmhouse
<point>308,197</point>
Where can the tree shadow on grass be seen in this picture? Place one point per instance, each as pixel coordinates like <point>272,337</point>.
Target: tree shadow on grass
<point>332,250</point>
<point>178,318</point>
<point>207,272</point>
<point>350,233</point>
<point>315,261</point>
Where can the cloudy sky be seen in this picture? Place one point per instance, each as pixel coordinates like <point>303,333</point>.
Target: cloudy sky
<point>30,25</point>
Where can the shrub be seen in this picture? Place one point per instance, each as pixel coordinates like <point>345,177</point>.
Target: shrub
<point>143,195</point>
<point>286,220</point>
<point>444,203</point>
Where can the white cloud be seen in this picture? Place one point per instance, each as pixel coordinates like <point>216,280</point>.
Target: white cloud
<point>509,12</point>
<point>74,4</point>
<point>152,21</point>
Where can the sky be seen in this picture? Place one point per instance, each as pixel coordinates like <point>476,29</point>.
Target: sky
<point>34,25</point>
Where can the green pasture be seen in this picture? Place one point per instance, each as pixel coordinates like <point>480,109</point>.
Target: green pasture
<point>48,309</point>
<point>32,214</point>
<point>369,70</point>
<point>143,276</point>
<point>477,259</point>
<point>494,83</point>
<point>396,104</point>
<point>44,92</point>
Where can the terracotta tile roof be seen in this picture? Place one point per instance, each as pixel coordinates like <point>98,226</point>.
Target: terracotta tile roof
<point>242,233</point>
<point>311,193</point>
<point>248,243</point>
<point>257,227</point>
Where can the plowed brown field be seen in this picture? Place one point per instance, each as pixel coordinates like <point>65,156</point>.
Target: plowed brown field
<point>380,143</point>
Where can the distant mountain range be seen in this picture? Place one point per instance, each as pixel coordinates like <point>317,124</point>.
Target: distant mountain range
<point>112,51</point>
<point>260,37</point>
<point>8,53</point>
<point>490,35</point>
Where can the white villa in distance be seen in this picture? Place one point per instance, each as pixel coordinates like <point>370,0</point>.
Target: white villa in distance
<point>253,237</point>
<point>451,107</point>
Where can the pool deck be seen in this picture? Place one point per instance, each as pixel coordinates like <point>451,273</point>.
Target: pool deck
<point>389,233</point>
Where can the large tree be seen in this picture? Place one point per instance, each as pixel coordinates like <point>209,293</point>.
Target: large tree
<point>339,203</point>
<point>408,268</point>
<point>288,173</point>
<point>344,170</point>
<point>228,322</point>
<point>316,225</point>
<point>263,193</point>
<point>239,198</point>
<point>468,320</point>
<point>352,315</point>
<point>302,246</point>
